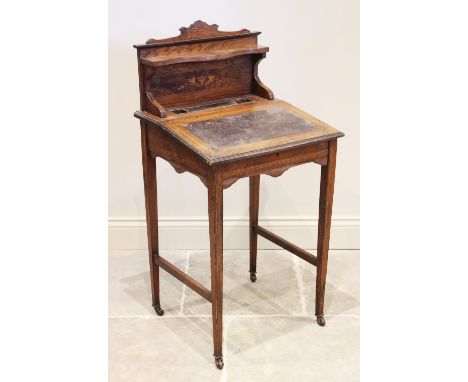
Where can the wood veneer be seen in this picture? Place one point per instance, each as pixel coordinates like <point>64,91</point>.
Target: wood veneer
<point>204,109</point>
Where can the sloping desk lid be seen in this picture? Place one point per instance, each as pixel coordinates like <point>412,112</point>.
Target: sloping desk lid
<point>243,130</point>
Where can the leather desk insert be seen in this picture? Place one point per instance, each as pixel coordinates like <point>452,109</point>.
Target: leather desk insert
<point>204,109</point>
<point>249,127</point>
<point>236,130</point>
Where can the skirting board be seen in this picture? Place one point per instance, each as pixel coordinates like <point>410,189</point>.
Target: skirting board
<point>192,233</point>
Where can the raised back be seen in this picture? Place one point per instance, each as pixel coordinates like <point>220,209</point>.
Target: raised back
<point>201,65</point>
<point>200,30</point>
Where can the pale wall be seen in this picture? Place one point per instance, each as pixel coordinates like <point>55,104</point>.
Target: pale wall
<point>313,63</point>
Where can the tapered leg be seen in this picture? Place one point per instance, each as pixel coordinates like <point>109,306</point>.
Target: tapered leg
<point>254,190</point>
<point>327,181</point>
<point>215,212</point>
<point>151,204</point>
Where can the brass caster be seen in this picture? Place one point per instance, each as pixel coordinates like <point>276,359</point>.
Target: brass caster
<point>219,362</point>
<point>253,277</point>
<point>321,320</point>
<point>158,310</point>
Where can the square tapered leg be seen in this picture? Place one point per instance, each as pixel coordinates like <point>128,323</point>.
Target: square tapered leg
<point>254,190</point>
<point>215,214</point>
<point>327,181</point>
<point>151,204</point>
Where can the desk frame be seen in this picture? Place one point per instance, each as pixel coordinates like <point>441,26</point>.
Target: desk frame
<point>155,142</point>
<point>198,68</point>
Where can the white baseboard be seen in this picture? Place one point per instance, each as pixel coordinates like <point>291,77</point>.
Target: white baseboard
<point>192,233</point>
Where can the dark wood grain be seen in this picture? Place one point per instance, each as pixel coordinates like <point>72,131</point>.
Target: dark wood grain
<point>182,158</point>
<point>183,277</point>
<point>258,87</point>
<point>201,63</point>
<point>199,47</point>
<point>254,194</point>
<point>196,31</point>
<point>215,213</point>
<point>151,204</point>
<point>264,163</point>
<point>294,249</point>
<point>327,182</point>
<point>154,106</point>
<point>213,55</point>
<point>204,109</point>
<point>185,84</point>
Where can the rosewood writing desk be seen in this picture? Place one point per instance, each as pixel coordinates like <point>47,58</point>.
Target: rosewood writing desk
<point>205,111</point>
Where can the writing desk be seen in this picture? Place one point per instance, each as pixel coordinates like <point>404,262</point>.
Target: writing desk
<point>205,111</point>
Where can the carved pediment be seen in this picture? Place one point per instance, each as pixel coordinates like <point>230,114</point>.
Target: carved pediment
<point>198,30</point>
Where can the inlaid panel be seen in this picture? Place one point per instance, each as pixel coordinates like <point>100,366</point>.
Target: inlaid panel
<point>248,128</point>
<point>198,81</point>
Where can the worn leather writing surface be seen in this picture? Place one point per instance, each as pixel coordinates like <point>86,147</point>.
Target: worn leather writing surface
<point>247,128</point>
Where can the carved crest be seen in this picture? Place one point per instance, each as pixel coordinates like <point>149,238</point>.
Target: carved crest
<point>198,30</point>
